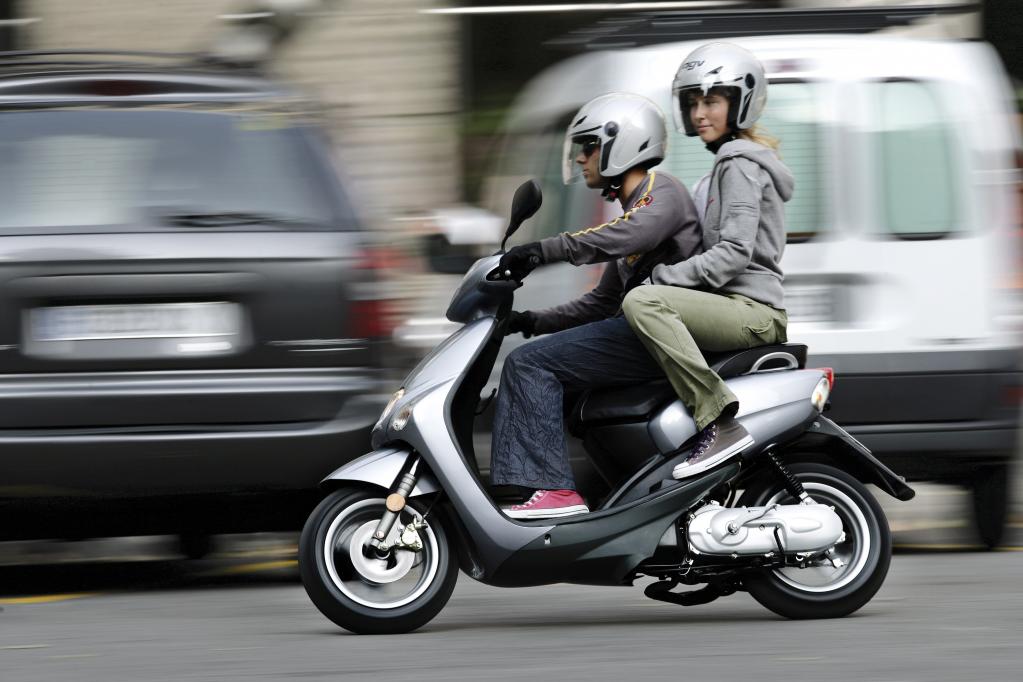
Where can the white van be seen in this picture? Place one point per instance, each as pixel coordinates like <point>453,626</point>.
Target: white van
<point>902,266</point>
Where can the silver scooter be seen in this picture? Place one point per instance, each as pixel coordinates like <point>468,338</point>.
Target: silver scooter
<point>789,520</point>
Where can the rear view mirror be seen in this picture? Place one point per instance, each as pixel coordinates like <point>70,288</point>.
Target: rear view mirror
<point>525,204</point>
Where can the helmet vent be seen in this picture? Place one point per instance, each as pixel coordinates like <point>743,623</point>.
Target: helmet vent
<point>579,121</point>
<point>745,106</point>
<point>644,145</point>
<point>605,155</point>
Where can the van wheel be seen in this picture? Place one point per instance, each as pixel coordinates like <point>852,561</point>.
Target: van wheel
<point>991,503</point>
<point>195,545</point>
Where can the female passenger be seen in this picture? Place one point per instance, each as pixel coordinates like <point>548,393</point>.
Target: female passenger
<point>728,297</point>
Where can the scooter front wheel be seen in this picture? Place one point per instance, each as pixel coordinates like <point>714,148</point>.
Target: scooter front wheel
<point>361,590</point>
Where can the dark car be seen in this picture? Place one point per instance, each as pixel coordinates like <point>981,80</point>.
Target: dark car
<point>189,339</point>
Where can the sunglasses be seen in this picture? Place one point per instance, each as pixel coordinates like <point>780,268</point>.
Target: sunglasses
<point>589,147</point>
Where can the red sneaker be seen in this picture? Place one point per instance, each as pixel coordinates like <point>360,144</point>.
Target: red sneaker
<point>548,504</point>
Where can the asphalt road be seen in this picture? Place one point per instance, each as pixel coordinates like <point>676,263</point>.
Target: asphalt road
<point>136,614</point>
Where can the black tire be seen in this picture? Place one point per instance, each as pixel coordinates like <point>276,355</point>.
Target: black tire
<point>790,592</point>
<point>195,545</point>
<point>348,596</point>
<point>991,503</point>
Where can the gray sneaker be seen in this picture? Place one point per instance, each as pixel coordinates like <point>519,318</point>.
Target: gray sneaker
<point>718,442</point>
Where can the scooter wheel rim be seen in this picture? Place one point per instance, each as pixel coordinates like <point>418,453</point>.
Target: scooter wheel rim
<point>355,584</point>
<point>854,551</point>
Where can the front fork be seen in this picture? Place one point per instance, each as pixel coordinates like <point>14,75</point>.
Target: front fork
<point>405,482</point>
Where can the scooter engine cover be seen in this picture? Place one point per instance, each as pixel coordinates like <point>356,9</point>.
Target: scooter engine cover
<point>752,530</point>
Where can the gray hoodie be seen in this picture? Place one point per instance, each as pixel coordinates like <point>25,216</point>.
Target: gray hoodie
<point>743,229</point>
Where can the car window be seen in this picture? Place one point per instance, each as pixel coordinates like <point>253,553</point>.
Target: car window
<point>74,169</point>
<point>915,165</point>
<point>791,117</point>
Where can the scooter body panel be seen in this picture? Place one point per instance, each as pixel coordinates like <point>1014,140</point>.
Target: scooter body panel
<point>605,548</point>
<point>770,404</point>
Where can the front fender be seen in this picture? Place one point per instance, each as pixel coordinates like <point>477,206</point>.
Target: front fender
<point>381,468</point>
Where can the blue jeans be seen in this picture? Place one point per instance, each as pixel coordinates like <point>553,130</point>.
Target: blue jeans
<point>529,447</point>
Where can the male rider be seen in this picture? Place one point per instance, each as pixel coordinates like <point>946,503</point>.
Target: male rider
<point>612,143</point>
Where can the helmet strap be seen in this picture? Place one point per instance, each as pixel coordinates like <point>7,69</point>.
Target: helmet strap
<point>613,188</point>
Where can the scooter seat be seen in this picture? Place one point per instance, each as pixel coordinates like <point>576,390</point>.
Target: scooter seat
<point>638,403</point>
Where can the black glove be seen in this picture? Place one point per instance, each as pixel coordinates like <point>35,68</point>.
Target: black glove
<point>521,322</point>
<point>521,260</point>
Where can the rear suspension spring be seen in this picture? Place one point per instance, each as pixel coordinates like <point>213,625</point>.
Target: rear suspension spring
<point>792,484</point>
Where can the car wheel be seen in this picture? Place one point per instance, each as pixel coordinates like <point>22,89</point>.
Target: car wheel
<point>991,503</point>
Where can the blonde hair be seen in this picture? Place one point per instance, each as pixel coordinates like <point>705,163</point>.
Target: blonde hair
<point>757,134</point>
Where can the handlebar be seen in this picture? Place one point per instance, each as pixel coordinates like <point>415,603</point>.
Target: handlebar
<point>516,276</point>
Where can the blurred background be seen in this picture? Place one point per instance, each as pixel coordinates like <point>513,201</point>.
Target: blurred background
<point>228,227</point>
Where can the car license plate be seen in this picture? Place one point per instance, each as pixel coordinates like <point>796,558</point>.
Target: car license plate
<point>134,330</point>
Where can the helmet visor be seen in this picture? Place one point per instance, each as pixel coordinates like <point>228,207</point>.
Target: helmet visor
<point>577,149</point>
<point>681,103</point>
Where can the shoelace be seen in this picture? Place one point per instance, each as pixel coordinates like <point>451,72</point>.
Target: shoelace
<point>534,499</point>
<point>707,439</point>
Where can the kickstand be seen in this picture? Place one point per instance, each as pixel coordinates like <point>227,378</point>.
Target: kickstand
<point>661,591</point>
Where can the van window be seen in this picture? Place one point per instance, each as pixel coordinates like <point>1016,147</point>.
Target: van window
<point>915,163</point>
<point>791,117</point>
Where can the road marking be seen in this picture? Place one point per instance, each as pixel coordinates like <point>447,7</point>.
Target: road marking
<point>290,550</point>
<point>798,659</point>
<point>254,568</point>
<point>906,526</point>
<point>45,598</point>
<point>960,547</point>
<point>24,646</point>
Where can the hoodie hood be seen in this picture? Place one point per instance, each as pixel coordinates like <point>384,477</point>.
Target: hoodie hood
<point>766,158</point>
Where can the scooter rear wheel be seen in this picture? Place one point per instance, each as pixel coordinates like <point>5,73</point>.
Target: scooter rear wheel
<point>825,591</point>
<point>365,593</point>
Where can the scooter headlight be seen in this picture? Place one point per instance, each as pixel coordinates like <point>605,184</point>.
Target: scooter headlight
<point>398,395</point>
<point>401,419</point>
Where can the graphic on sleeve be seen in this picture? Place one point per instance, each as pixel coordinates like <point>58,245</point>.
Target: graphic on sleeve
<point>644,200</point>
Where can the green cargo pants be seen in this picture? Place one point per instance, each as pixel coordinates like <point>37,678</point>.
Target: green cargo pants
<point>674,323</point>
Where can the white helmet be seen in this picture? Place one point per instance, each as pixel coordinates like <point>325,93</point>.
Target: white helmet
<point>726,66</point>
<point>630,129</point>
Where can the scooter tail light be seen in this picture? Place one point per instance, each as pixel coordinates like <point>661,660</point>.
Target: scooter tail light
<point>829,374</point>
<point>821,392</point>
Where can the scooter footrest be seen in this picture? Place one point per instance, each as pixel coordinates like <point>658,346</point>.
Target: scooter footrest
<point>661,591</point>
